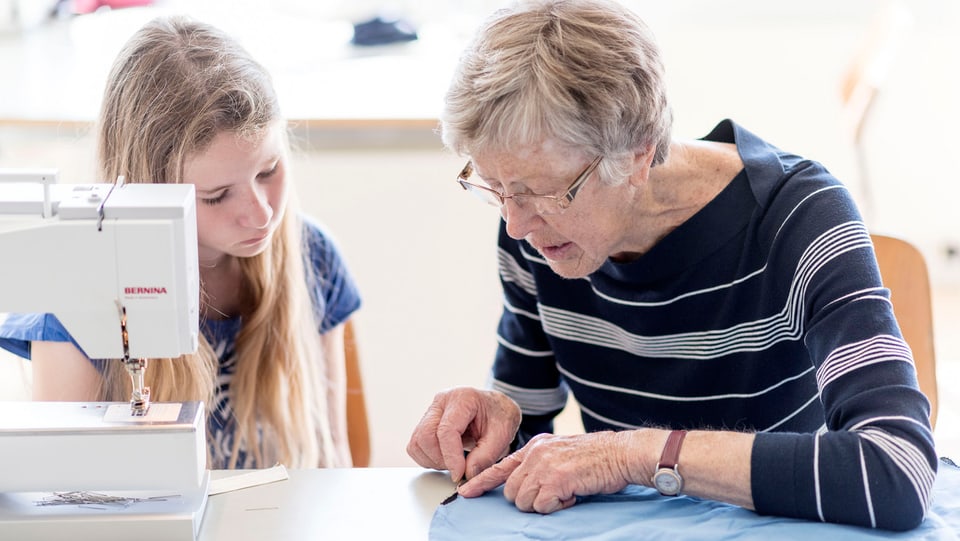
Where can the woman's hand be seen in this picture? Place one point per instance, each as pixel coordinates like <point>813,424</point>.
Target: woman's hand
<point>465,419</point>
<point>548,473</point>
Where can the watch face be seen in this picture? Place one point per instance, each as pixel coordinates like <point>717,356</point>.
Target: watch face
<point>668,482</point>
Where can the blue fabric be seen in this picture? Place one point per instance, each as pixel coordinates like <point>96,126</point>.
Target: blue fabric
<point>641,513</point>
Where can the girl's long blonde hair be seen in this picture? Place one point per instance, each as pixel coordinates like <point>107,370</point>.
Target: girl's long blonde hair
<point>176,84</point>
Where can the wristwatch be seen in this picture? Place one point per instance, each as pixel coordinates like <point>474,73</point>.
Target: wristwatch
<point>666,477</point>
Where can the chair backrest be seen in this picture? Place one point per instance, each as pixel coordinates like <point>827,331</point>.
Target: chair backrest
<point>904,273</point>
<point>358,429</point>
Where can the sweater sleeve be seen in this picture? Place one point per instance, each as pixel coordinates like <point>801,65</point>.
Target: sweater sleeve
<point>873,463</point>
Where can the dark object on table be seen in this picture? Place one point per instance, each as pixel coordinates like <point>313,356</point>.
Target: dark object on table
<point>380,31</point>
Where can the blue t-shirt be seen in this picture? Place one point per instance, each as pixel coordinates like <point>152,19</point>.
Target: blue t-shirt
<point>336,297</point>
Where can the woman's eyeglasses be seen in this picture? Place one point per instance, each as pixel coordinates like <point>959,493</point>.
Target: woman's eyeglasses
<point>545,205</point>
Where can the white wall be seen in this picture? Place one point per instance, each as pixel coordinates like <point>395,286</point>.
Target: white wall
<point>423,255</point>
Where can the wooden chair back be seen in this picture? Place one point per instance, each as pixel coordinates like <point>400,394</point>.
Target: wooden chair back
<point>358,429</point>
<point>904,273</point>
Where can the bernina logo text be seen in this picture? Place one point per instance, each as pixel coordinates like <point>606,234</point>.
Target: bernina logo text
<point>144,291</point>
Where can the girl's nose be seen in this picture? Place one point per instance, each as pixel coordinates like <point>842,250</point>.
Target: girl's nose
<point>257,212</point>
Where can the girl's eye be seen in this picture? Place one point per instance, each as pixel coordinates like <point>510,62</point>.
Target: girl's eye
<point>270,173</point>
<point>214,200</point>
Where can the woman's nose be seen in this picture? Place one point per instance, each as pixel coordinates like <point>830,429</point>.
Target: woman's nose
<point>520,220</point>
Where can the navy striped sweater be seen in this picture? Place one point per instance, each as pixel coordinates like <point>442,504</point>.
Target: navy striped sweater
<point>764,312</point>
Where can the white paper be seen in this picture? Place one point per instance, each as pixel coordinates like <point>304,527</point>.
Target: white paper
<point>248,479</point>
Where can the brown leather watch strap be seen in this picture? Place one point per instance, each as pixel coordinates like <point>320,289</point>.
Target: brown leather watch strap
<point>671,450</point>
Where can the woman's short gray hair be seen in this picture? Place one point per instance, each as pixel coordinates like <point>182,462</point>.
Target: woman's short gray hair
<point>584,73</point>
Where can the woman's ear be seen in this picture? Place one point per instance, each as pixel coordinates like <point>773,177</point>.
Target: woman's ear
<point>642,158</point>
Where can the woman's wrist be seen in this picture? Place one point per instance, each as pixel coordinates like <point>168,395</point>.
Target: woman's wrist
<point>640,451</point>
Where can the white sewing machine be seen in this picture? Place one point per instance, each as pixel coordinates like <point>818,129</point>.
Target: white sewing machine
<point>117,265</point>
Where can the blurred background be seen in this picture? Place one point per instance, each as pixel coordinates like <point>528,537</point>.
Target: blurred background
<point>868,88</point>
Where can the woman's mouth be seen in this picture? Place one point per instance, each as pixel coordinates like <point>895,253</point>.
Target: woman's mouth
<point>556,251</point>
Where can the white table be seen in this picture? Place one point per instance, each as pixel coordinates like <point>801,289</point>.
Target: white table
<point>331,504</point>
<point>397,504</point>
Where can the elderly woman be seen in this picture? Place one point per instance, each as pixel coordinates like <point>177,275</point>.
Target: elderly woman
<point>714,305</point>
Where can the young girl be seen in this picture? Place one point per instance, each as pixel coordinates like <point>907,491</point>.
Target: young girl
<point>185,103</point>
